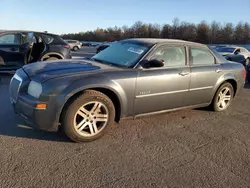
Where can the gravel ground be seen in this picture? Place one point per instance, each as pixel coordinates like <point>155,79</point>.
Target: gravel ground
<point>188,148</point>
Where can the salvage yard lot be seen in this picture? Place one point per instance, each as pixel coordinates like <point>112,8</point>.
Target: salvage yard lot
<point>188,148</point>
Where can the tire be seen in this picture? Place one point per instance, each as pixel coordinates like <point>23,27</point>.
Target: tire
<point>247,61</point>
<point>217,104</point>
<point>75,48</point>
<point>51,59</point>
<point>79,125</point>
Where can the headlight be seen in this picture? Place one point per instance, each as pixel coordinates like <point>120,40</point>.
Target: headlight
<point>35,89</point>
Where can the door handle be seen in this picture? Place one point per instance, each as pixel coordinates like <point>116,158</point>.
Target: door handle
<point>218,70</point>
<point>183,73</point>
<point>13,49</point>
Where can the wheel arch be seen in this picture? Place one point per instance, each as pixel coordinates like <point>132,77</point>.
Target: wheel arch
<point>227,78</point>
<point>114,97</point>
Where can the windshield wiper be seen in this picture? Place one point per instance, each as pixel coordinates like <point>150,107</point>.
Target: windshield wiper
<point>107,63</point>
<point>104,62</point>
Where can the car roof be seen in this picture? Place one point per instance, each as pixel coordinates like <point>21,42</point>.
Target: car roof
<point>70,39</point>
<point>158,41</point>
<point>232,46</point>
<point>25,31</point>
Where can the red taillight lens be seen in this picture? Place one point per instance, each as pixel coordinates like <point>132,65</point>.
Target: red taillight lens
<point>67,46</point>
<point>244,73</point>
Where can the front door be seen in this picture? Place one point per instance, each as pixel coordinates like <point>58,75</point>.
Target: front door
<point>163,88</point>
<point>10,53</point>
<point>205,72</point>
<point>15,49</point>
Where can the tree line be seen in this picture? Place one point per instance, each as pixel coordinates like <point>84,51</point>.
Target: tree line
<point>213,33</point>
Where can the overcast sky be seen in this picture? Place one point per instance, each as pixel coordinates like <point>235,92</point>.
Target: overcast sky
<point>65,16</point>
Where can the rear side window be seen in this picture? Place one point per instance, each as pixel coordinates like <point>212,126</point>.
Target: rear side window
<point>201,57</point>
<point>53,39</point>
<point>48,39</point>
<point>70,41</point>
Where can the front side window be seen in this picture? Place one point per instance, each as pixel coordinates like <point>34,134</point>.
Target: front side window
<point>10,39</point>
<point>201,57</point>
<point>124,54</point>
<point>173,56</point>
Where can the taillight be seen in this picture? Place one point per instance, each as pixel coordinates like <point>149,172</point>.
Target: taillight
<point>244,73</point>
<point>67,46</point>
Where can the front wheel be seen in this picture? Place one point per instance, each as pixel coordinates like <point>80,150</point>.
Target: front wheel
<point>75,48</point>
<point>223,97</point>
<point>88,117</point>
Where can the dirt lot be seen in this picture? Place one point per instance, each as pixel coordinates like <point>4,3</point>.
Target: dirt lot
<point>188,148</point>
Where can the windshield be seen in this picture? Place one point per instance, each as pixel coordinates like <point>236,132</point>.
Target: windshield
<point>124,54</point>
<point>227,50</point>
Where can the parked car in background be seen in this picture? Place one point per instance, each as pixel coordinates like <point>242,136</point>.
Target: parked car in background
<point>86,44</point>
<point>131,78</point>
<point>231,50</point>
<point>18,48</point>
<point>75,45</point>
<point>102,47</point>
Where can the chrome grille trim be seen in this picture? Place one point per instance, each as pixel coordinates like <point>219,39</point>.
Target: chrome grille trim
<point>14,94</point>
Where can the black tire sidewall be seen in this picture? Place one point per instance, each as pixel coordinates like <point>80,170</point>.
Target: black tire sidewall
<point>74,107</point>
<point>215,106</point>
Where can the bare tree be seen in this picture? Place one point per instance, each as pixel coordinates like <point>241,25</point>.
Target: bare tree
<point>202,32</point>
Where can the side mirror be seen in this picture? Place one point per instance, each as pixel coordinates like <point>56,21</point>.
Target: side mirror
<point>153,63</point>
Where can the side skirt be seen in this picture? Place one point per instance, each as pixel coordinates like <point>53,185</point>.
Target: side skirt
<point>171,110</point>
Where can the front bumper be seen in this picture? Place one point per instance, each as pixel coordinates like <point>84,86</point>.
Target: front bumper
<point>42,119</point>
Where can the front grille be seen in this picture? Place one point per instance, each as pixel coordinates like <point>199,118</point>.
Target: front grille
<point>14,87</point>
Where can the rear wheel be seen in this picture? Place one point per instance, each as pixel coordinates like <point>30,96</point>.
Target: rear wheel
<point>88,117</point>
<point>51,59</point>
<point>75,48</point>
<point>223,97</point>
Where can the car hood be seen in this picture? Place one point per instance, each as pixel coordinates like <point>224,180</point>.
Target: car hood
<point>60,68</point>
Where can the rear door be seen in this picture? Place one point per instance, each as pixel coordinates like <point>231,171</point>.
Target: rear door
<point>205,72</point>
<point>10,53</point>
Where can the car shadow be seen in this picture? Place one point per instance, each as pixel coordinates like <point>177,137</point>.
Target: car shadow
<point>11,125</point>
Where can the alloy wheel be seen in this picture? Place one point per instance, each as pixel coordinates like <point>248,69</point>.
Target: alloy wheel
<point>91,118</point>
<point>224,98</point>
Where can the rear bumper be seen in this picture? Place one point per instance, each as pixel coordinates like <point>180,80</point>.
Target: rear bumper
<point>42,119</point>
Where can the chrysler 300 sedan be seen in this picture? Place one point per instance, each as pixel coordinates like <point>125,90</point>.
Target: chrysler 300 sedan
<point>131,78</point>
